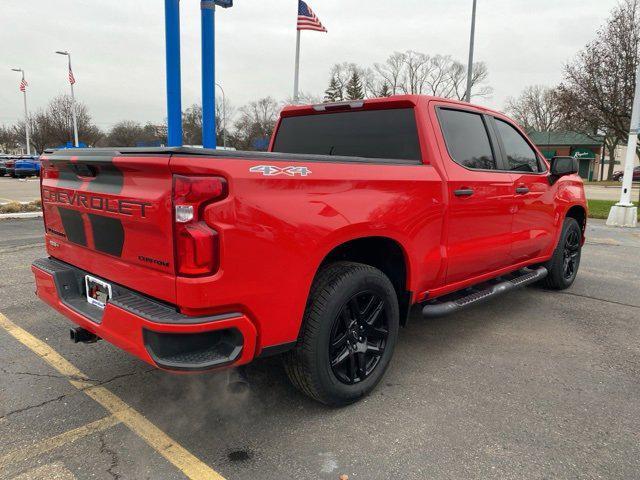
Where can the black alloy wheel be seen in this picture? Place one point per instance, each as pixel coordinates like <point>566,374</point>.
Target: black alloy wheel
<point>358,338</point>
<point>348,334</point>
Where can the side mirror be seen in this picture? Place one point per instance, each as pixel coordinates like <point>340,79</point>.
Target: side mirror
<point>561,166</point>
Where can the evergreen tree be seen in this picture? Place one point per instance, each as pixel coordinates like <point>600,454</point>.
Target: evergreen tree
<point>334,92</point>
<point>385,91</point>
<point>354,87</point>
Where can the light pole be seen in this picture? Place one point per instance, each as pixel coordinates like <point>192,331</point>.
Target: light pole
<point>224,116</point>
<point>467,96</point>
<point>625,213</point>
<point>73,99</point>
<point>23,87</point>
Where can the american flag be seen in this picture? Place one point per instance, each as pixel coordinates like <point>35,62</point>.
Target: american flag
<point>307,20</point>
<point>23,85</point>
<point>72,79</point>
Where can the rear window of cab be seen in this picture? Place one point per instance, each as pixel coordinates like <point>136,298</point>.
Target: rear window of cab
<point>376,134</point>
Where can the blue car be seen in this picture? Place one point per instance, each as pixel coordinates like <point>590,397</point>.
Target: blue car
<point>27,167</point>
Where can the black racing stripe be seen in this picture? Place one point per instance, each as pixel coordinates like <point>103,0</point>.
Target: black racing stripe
<point>108,234</point>
<point>108,179</point>
<point>67,177</point>
<point>100,176</point>
<point>73,226</point>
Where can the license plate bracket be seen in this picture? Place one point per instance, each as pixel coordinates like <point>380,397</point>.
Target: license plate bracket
<point>98,291</point>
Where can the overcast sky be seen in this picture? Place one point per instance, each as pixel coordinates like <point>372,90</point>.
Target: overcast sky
<point>118,46</point>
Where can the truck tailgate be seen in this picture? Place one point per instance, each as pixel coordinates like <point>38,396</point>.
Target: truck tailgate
<point>112,216</point>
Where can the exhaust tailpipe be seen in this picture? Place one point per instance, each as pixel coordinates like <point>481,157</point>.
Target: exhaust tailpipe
<point>80,335</point>
<point>237,381</point>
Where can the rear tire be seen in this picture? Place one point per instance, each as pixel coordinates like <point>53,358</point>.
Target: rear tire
<point>348,334</point>
<point>563,266</point>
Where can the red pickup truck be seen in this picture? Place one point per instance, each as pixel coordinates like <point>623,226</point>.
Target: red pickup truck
<point>195,259</point>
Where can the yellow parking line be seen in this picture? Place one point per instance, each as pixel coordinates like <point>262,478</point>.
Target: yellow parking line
<point>58,441</point>
<point>171,450</point>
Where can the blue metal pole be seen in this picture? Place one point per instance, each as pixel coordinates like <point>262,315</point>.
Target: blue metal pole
<point>174,100</point>
<point>208,74</point>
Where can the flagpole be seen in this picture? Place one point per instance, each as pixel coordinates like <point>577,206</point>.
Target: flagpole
<point>73,109</point>
<point>26,118</point>
<point>73,98</point>
<point>23,89</point>
<point>296,81</point>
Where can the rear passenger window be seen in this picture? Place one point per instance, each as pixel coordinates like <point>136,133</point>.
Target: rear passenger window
<point>520,156</point>
<point>467,139</point>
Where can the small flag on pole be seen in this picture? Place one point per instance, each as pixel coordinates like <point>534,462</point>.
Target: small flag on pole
<point>23,85</point>
<point>72,79</point>
<point>307,20</point>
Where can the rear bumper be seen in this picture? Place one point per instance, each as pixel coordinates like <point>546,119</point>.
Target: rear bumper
<point>151,330</point>
<point>26,171</point>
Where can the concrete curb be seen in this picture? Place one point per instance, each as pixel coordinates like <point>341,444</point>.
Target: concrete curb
<point>8,216</point>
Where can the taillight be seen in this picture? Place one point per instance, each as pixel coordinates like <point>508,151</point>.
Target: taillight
<point>197,246</point>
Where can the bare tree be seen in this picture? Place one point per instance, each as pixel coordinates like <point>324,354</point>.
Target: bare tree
<point>597,90</point>
<point>8,139</point>
<point>391,71</point>
<point>439,75</point>
<point>416,72</point>
<point>256,123</point>
<point>39,131</point>
<point>192,125</point>
<point>60,122</point>
<point>131,134</point>
<point>536,109</point>
<point>225,113</point>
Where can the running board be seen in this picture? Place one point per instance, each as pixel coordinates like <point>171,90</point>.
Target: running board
<point>477,294</point>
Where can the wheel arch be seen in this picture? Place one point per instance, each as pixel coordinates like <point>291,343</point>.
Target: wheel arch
<point>384,253</point>
<point>579,213</point>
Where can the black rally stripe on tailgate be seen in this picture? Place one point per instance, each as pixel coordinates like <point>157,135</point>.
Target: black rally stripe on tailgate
<point>73,226</point>
<point>108,234</point>
<point>98,172</point>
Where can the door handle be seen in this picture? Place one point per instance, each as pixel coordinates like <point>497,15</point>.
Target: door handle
<point>463,192</point>
<point>522,190</point>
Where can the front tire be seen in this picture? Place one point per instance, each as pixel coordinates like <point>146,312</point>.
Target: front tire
<point>348,334</point>
<point>563,266</point>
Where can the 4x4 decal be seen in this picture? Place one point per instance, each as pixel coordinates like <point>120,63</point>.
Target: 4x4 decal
<point>271,171</point>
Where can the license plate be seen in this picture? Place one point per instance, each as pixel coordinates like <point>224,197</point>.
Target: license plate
<point>98,291</point>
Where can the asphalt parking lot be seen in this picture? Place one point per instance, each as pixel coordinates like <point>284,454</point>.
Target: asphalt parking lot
<point>19,189</point>
<point>536,384</point>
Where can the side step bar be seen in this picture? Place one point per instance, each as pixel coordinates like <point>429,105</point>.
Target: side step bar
<point>477,294</point>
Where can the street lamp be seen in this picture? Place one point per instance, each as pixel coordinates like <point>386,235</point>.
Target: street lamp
<point>73,99</point>
<point>23,87</point>
<point>467,96</point>
<point>224,116</point>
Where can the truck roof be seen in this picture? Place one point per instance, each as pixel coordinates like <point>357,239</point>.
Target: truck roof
<point>394,101</point>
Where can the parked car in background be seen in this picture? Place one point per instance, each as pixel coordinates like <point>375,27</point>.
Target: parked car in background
<point>9,166</point>
<point>27,167</point>
<point>617,176</point>
<point>3,167</point>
